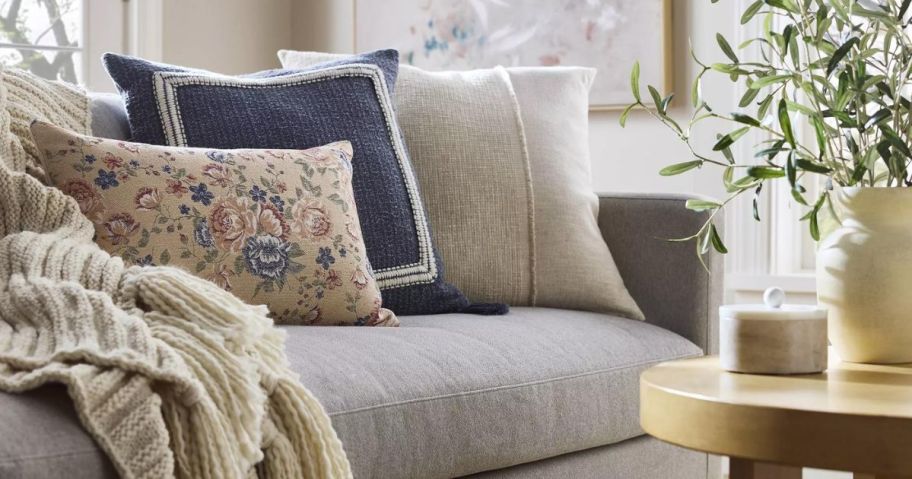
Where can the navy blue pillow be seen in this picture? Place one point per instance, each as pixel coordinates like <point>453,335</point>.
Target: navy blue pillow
<point>295,109</point>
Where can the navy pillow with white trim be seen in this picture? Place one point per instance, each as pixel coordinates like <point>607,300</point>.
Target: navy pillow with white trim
<point>297,109</point>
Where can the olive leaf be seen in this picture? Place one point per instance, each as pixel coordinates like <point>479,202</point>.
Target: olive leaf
<point>824,97</point>
<point>726,48</point>
<point>678,168</point>
<point>635,81</point>
<point>750,11</point>
<point>702,205</point>
<point>840,53</point>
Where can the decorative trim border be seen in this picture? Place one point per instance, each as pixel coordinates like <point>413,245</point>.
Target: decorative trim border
<point>166,84</point>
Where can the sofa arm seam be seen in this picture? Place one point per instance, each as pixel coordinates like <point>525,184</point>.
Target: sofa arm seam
<point>635,197</point>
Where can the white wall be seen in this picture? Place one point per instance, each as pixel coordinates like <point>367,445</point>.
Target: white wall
<point>628,159</point>
<point>226,36</point>
<point>323,25</point>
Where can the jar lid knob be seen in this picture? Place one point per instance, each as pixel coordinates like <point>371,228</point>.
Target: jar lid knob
<point>773,297</point>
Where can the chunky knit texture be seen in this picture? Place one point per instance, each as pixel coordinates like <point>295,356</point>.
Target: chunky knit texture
<point>26,97</point>
<point>171,375</point>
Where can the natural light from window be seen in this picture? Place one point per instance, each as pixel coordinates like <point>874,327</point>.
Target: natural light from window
<point>44,37</point>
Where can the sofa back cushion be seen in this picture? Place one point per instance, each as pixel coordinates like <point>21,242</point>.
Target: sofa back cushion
<point>568,265</point>
<point>347,100</point>
<point>275,227</point>
<point>109,118</point>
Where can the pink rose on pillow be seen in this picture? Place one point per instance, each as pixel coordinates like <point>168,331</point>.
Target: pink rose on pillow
<point>271,221</point>
<point>220,175</point>
<point>113,161</point>
<point>86,196</point>
<point>309,219</point>
<point>312,316</point>
<point>147,198</point>
<point>359,279</point>
<point>232,223</point>
<point>120,227</point>
<point>222,277</point>
<point>176,188</point>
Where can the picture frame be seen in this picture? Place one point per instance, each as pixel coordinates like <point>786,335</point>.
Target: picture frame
<point>468,34</point>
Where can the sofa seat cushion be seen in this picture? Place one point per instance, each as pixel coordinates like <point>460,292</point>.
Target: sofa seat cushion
<point>445,396</point>
<point>441,396</point>
<point>41,438</point>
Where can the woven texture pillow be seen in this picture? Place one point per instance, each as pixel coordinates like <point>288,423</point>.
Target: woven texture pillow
<point>346,100</point>
<point>456,122</point>
<point>275,227</point>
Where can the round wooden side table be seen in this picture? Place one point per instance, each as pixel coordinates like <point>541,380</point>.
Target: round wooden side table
<point>853,417</point>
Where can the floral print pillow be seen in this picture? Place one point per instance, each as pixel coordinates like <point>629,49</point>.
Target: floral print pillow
<point>274,227</point>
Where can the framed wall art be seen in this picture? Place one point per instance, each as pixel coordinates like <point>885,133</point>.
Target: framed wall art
<point>609,35</point>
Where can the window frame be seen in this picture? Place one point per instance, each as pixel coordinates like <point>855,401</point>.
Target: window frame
<point>765,253</point>
<point>122,26</point>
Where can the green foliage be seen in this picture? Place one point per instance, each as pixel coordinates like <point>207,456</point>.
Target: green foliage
<point>840,68</point>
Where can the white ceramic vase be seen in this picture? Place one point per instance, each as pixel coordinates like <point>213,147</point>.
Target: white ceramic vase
<point>864,270</point>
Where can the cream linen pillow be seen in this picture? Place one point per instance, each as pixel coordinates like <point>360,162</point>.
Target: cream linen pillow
<point>497,242</point>
<point>482,207</point>
<point>274,227</point>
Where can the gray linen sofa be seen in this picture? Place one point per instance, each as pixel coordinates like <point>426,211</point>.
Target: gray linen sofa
<point>538,393</point>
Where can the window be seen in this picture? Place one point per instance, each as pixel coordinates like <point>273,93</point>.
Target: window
<point>778,251</point>
<point>64,39</point>
<point>44,37</point>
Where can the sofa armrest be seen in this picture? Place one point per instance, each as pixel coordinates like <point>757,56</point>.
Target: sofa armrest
<point>665,278</point>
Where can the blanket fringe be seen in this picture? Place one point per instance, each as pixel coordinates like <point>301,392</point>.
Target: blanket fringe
<point>248,348</point>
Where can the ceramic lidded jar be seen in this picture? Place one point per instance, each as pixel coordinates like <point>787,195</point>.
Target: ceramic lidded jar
<point>773,338</point>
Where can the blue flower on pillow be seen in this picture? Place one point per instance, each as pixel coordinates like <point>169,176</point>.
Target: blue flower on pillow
<point>277,201</point>
<point>325,258</point>
<point>106,179</point>
<point>184,209</point>
<point>145,261</point>
<point>90,159</point>
<point>201,194</point>
<point>202,235</point>
<point>257,194</point>
<point>217,156</point>
<point>266,256</point>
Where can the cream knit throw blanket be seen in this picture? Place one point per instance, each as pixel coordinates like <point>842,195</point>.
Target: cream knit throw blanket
<point>171,375</point>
